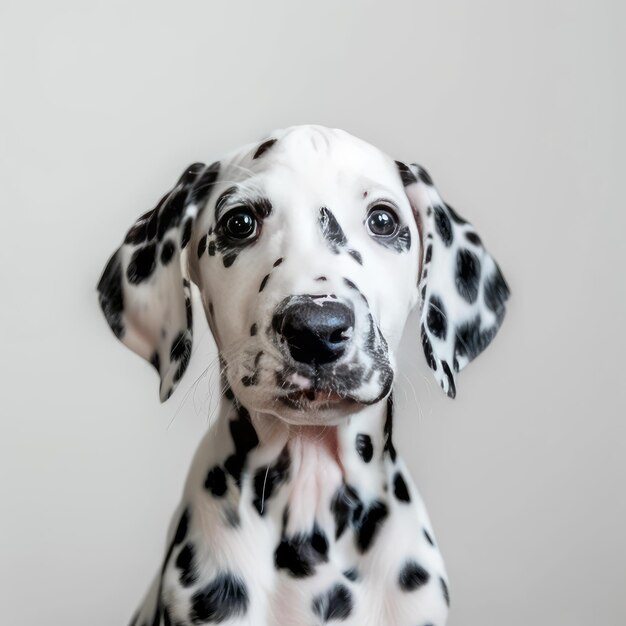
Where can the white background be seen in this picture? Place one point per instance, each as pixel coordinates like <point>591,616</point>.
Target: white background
<point>517,110</point>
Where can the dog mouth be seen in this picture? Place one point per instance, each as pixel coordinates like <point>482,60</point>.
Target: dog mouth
<point>318,399</point>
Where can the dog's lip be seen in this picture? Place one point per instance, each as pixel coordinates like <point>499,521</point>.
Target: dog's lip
<point>317,397</point>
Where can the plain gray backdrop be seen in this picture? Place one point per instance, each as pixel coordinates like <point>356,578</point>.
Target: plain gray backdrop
<point>516,109</point>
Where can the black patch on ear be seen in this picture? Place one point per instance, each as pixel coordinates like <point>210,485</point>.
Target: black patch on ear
<point>424,175</point>
<point>167,251</point>
<point>215,481</point>
<point>443,225</point>
<point>496,292</point>
<point>186,236</point>
<point>142,264</point>
<point>111,295</point>
<point>223,598</point>
<point>406,174</point>
<point>266,145</point>
<point>467,274</point>
<point>412,576</point>
<point>436,318</point>
<point>185,563</point>
<point>202,188</point>
<point>331,230</point>
<point>364,447</point>
<point>400,489</point>
<point>138,233</point>
<point>470,340</point>
<point>301,553</point>
<point>268,479</point>
<point>334,604</point>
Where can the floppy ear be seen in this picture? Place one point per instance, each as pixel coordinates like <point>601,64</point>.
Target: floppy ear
<point>144,291</point>
<point>461,286</point>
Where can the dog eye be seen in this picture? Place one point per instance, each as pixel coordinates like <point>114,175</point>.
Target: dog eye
<point>239,223</point>
<point>382,221</point>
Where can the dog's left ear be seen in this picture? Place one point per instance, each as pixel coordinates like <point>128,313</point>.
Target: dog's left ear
<point>144,291</point>
<point>462,290</point>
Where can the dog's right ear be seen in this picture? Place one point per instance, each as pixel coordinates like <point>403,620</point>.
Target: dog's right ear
<point>144,290</point>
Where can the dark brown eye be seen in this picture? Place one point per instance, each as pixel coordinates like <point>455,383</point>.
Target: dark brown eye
<point>239,223</point>
<point>382,222</point>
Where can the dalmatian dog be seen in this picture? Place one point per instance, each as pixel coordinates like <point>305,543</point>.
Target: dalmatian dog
<point>309,250</point>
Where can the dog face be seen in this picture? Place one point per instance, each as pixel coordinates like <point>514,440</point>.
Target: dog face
<point>309,251</point>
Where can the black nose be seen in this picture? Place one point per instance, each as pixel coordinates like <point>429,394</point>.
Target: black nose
<point>316,331</point>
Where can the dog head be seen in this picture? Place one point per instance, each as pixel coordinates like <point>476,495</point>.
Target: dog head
<point>309,250</point>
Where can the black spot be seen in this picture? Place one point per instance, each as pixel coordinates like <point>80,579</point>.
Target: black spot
<point>400,489</point>
<point>428,350</point>
<point>496,293</point>
<point>436,318</point>
<point>472,237</point>
<point>467,274</point>
<point>167,251</point>
<point>244,439</point>
<point>450,377</point>
<point>229,258</point>
<point>268,479</point>
<point>181,347</point>
<point>368,525</point>
<point>424,175</point>
<point>139,231</point>
<point>277,262</point>
<point>445,591</point>
<point>203,185</point>
<point>471,340</point>
<point>443,225</point>
<point>156,361</point>
<point>216,481</point>
<point>345,506</point>
<point>364,447</point>
<point>428,537</point>
<point>212,248</point>
<point>266,145</point>
<point>429,253</point>
<point>185,563</point>
<point>321,278</point>
<point>222,599</point>
<point>388,431</point>
<point>142,264</point>
<point>331,230</point>
<point>111,295</point>
<point>356,256</point>
<point>264,282</point>
<point>188,313</point>
<point>334,604</point>
<point>186,236</point>
<point>301,553</point>
<point>202,245</point>
<point>406,174</point>
<point>253,330</point>
<point>412,576</point>
<point>352,574</point>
